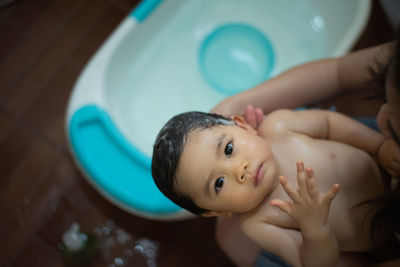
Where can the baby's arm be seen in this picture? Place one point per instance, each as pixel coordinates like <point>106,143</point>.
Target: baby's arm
<point>282,242</point>
<point>310,209</point>
<point>334,126</point>
<point>323,124</point>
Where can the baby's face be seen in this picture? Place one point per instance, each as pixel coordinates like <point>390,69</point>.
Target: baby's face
<point>226,169</point>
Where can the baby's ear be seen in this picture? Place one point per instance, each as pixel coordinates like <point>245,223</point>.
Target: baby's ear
<point>225,214</point>
<point>241,122</point>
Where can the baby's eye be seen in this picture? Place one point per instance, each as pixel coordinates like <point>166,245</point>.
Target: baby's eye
<point>229,149</point>
<point>219,183</point>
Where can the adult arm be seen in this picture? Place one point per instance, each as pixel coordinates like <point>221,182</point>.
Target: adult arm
<point>308,83</point>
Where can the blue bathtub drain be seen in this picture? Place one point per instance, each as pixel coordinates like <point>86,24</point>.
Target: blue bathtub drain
<point>235,57</point>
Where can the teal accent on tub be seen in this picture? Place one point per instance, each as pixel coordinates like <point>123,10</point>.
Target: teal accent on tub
<point>113,164</point>
<point>144,9</point>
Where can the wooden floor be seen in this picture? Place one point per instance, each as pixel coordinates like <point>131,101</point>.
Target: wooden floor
<point>44,44</point>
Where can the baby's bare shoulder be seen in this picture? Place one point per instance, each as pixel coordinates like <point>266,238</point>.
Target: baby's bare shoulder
<point>275,122</point>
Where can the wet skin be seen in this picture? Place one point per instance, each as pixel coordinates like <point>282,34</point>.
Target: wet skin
<point>226,169</point>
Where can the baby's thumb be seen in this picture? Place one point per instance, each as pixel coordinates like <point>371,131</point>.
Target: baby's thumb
<point>282,205</point>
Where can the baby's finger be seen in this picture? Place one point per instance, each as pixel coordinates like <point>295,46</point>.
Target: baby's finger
<point>292,193</point>
<point>330,195</point>
<point>311,184</point>
<point>282,205</point>
<point>301,178</point>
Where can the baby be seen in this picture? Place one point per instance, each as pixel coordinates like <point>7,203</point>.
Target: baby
<point>215,166</point>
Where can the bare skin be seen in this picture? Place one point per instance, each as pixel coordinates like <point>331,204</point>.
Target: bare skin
<point>301,85</point>
<point>249,166</point>
<point>355,172</point>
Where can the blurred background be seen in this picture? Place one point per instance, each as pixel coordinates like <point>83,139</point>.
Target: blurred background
<point>44,45</point>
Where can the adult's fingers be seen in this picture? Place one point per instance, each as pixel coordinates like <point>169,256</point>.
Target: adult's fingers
<point>250,116</point>
<point>259,116</point>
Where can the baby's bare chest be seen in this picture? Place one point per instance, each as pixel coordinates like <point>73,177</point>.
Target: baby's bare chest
<point>333,163</point>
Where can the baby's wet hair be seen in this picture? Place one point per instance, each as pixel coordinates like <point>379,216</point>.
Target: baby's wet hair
<point>168,148</point>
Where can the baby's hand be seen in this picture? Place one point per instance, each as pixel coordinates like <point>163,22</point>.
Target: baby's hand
<point>389,157</point>
<point>309,208</point>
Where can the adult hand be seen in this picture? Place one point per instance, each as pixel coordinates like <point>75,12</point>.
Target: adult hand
<point>253,116</point>
<point>227,107</point>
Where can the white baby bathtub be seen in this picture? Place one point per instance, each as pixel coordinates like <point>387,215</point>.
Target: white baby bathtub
<point>171,56</point>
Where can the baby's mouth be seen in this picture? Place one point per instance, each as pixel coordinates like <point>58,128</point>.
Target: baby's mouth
<point>258,174</point>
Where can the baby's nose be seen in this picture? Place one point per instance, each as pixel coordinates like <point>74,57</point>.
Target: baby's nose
<point>241,171</point>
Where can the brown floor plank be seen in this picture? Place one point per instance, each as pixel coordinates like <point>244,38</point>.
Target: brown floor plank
<point>16,21</point>
<point>125,5</point>
<point>51,104</point>
<point>6,12</point>
<point>14,147</point>
<point>97,35</point>
<point>55,56</point>
<point>38,253</point>
<point>6,123</point>
<point>43,32</point>
<point>17,190</point>
<point>52,101</point>
<point>37,204</point>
